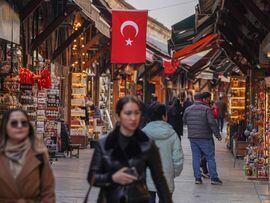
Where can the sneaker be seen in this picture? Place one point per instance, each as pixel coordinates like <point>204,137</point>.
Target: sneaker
<point>205,175</point>
<point>198,181</point>
<point>216,181</point>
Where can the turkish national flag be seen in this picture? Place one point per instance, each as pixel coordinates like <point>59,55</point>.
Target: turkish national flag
<point>129,36</point>
<point>170,66</point>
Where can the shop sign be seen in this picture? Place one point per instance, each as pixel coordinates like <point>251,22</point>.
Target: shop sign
<point>94,14</point>
<point>9,23</point>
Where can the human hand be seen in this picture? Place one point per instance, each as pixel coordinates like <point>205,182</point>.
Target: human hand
<point>122,178</point>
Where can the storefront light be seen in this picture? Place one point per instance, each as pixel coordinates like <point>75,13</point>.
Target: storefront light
<point>82,45</point>
<point>82,38</point>
<point>268,54</point>
<point>83,54</point>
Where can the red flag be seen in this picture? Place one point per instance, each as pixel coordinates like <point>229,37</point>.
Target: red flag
<point>129,36</point>
<point>170,66</point>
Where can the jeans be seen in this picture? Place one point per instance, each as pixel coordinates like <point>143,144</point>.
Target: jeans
<point>153,197</point>
<point>220,122</point>
<point>203,163</point>
<point>206,147</point>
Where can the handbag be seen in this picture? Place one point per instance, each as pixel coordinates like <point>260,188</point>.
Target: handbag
<point>89,190</point>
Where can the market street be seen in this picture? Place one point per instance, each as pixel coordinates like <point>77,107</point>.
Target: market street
<point>71,184</point>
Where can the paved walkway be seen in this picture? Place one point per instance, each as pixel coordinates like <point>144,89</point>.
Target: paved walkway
<point>71,184</point>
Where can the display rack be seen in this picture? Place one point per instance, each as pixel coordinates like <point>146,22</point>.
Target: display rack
<point>237,99</point>
<point>257,158</point>
<point>28,99</point>
<point>78,129</point>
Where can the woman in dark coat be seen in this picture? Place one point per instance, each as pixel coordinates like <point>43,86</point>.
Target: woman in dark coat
<point>120,160</point>
<point>175,115</point>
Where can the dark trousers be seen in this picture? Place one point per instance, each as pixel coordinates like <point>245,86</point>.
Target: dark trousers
<point>220,122</point>
<point>153,197</point>
<point>204,162</point>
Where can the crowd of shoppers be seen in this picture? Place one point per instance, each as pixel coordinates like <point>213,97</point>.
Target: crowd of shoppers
<point>134,163</point>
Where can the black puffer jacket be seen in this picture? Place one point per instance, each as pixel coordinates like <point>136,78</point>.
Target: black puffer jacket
<point>109,158</point>
<point>200,121</point>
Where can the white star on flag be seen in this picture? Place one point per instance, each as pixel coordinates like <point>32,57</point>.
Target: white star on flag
<point>129,42</point>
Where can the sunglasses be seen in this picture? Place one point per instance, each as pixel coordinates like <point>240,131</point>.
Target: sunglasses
<point>15,123</point>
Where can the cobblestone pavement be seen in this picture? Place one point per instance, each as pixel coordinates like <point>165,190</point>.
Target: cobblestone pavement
<point>71,184</point>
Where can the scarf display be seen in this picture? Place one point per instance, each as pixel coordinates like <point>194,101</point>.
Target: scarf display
<point>16,155</point>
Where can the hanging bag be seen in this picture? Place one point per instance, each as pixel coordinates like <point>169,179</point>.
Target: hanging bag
<point>89,190</point>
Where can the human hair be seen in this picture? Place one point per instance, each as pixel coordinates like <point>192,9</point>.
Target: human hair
<point>3,128</point>
<point>157,111</point>
<point>123,101</point>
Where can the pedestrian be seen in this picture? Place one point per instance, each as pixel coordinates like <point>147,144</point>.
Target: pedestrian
<point>170,149</point>
<point>144,115</point>
<point>222,109</point>
<point>188,102</point>
<point>120,160</point>
<point>25,175</point>
<point>175,116</point>
<point>201,125</point>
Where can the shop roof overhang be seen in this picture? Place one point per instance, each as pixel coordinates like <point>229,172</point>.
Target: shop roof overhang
<point>187,31</point>
<point>196,47</point>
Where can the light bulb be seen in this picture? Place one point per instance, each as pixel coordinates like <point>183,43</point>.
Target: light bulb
<point>83,62</point>
<point>82,38</point>
<point>83,54</point>
<point>82,45</point>
<point>76,62</point>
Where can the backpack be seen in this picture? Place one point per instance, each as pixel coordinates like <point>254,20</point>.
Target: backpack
<point>215,112</point>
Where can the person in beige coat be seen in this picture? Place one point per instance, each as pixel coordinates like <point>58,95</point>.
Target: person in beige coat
<point>25,175</point>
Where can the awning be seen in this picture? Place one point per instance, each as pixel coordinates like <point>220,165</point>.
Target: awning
<point>94,14</point>
<point>195,47</point>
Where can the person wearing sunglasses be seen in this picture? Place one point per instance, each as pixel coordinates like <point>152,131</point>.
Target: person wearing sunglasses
<point>25,175</point>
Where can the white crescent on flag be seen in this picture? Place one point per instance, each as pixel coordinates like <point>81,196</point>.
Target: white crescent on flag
<point>129,23</point>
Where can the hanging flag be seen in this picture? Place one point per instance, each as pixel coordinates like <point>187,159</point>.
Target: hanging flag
<point>170,66</point>
<point>129,36</point>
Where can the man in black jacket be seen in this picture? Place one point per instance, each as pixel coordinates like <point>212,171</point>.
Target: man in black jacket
<point>201,125</point>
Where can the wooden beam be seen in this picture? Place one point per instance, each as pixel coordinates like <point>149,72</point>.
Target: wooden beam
<point>92,42</point>
<point>96,56</point>
<point>259,15</point>
<point>29,9</point>
<point>52,26</point>
<point>242,19</point>
<point>230,36</point>
<point>70,39</point>
<point>248,44</point>
<point>231,52</point>
<point>202,62</point>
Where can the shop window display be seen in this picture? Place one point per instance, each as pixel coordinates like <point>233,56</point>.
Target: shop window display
<point>257,158</point>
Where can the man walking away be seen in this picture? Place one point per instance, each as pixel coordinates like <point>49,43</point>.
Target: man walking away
<point>222,108</point>
<point>201,125</point>
<point>175,116</point>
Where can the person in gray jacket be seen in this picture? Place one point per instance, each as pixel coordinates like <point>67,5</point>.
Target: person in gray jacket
<point>170,149</point>
<point>201,125</point>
